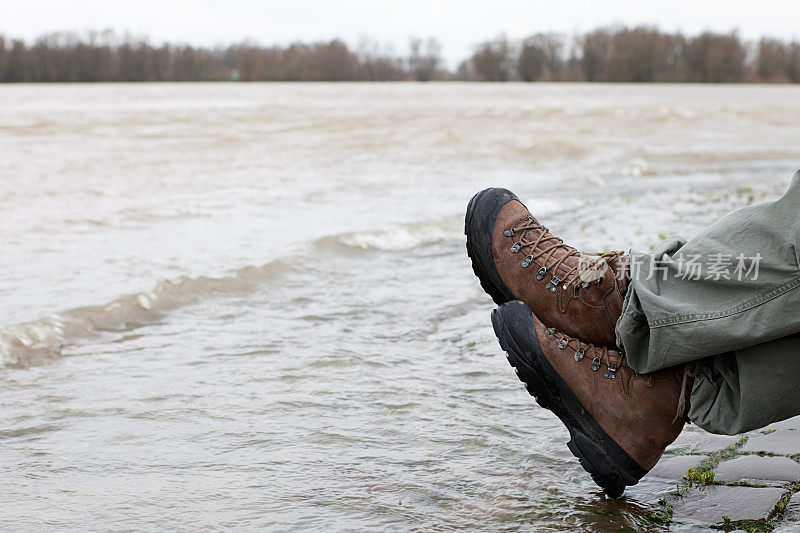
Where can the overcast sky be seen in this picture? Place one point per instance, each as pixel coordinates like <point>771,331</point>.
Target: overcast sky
<point>457,25</point>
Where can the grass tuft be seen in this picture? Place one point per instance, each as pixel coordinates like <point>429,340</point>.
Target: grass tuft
<point>699,477</point>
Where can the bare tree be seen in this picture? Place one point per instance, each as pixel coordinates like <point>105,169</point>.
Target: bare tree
<point>464,71</point>
<point>333,62</point>
<point>771,60</point>
<point>532,60</point>
<point>637,55</point>
<point>492,60</point>
<point>553,45</point>
<point>596,47</point>
<point>792,67</point>
<point>424,58</point>
<point>3,57</point>
<point>17,69</point>
<point>377,63</point>
<point>541,56</point>
<point>715,58</point>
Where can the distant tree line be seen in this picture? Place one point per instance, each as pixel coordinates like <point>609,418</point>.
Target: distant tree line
<point>620,54</point>
<point>641,54</point>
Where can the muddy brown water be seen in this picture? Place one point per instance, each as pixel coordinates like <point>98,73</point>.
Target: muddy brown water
<point>249,305</point>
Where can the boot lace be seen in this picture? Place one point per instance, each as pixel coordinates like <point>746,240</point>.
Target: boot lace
<point>689,373</point>
<point>599,355</point>
<point>550,245</point>
<point>614,362</point>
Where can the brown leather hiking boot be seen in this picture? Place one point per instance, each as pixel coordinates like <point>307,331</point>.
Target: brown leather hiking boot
<point>516,258</point>
<point>619,422</point>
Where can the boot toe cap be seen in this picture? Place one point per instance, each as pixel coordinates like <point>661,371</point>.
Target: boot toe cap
<point>517,321</point>
<point>484,207</point>
<point>479,227</point>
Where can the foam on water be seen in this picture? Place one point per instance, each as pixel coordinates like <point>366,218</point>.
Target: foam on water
<point>41,340</point>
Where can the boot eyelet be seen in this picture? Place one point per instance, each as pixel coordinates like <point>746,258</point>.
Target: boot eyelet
<point>516,247</point>
<point>562,344</point>
<point>598,281</point>
<point>595,364</point>
<point>550,331</point>
<point>509,232</point>
<point>579,354</point>
<point>552,285</point>
<point>527,261</point>
<point>540,275</point>
<point>586,284</point>
<point>611,373</point>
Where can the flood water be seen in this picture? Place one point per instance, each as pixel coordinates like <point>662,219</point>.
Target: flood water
<point>249,305</point>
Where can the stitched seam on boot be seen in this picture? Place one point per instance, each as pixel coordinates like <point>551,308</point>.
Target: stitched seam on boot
<point>744,306</point>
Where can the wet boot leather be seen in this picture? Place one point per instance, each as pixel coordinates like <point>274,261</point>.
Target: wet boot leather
<point>619,422</point>
<point>516,258</point>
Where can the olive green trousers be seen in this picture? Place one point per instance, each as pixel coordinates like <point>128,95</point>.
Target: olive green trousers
<point>729,300</point>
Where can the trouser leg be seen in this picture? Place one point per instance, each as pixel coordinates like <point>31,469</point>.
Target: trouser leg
<point>748,388</point>
<point>731,290</point>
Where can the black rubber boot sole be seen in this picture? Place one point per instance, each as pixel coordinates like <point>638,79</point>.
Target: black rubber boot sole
<point>482,212</point>
<point>609,465</point>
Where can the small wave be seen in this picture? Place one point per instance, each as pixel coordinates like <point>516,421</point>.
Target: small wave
<point>41,340</point>
<point>667,112</point>
<point>553,149</point>
<point>402,237</point>
<point>637,167</point>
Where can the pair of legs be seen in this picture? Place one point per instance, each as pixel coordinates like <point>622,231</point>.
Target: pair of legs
<point>737,316</point>
<point>626,348</point>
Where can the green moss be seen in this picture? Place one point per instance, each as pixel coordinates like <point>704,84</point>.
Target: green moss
<point>699,477</point>
<point>725,453</point>
<point>740,483</point>
<point>780,507</point>
<point>750,526</point>
<point>704,475</point>
<point>662,517</point>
